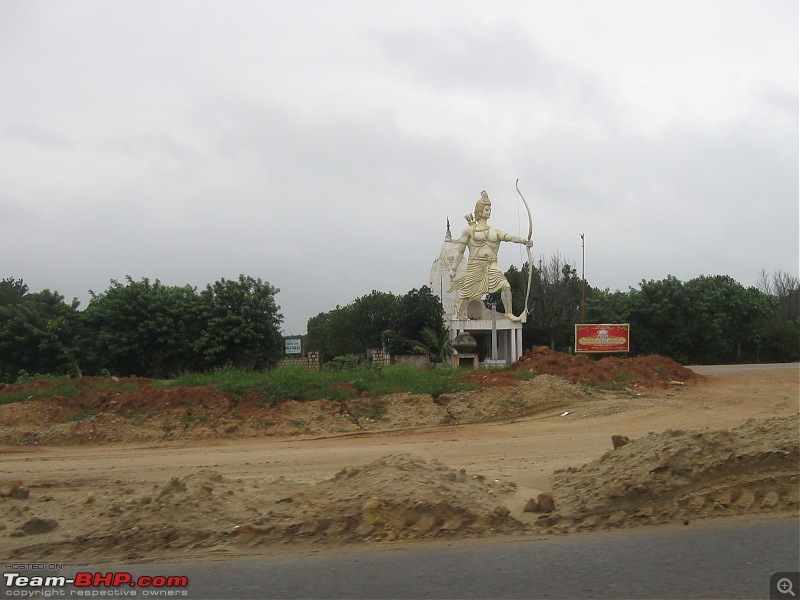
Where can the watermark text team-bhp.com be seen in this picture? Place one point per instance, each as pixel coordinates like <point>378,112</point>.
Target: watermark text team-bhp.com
<point>29,580</point>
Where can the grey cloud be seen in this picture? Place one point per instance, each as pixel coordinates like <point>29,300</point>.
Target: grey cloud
<point>189,145</point>
<point>492,60</point>
<point>781,100</point>
<point>478,60</point>
<point>13,214</point>
<point>689,200</point>
<point>268,193</point>
<point>36,135</point>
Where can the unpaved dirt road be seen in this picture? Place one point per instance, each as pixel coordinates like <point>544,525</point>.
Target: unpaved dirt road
<point>69,484</point>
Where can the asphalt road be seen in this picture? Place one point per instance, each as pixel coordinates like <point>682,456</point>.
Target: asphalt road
<point>727,369</point>
<point>705,559</point>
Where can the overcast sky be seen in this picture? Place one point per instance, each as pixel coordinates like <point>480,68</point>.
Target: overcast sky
<point>321,146</point>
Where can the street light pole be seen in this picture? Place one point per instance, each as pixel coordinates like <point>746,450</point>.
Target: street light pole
<point>583,280</point>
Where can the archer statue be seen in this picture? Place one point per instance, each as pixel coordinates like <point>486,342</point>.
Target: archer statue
<point>483,276</point>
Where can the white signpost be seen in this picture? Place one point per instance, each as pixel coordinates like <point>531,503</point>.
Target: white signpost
<point>293,346</point>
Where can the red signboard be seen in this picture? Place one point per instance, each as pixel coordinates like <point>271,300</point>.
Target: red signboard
<point>602,338</point>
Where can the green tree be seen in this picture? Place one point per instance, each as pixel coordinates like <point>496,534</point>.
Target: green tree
<point>786,289</point>
<point>725,319</point>
<point>659,319</point>
<point>317,331</point>
<point>37,333</point>
<point>555,304</point>
<point>417,309</point>
<point>334,333</point>
<point>240,324</point>
<point>376,320</point>
<point>603,306</point>
<point>12,291</point>
<point>142,328</point>
<point>780,342</point>
<point>354,328</point>
<point>707,320</point>
<point>781,338</point>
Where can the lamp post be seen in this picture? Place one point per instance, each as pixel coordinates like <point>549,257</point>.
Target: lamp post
<point>583,279</point>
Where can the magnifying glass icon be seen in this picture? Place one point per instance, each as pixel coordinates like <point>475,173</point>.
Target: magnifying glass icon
<point>784,586</point>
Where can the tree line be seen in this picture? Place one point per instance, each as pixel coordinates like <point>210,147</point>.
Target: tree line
<point>139,328</point>
<point>148,329</point>
<point>390,322</point>
<point>708,319</point>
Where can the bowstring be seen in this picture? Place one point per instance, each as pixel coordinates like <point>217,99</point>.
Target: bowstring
<point>519,231</point>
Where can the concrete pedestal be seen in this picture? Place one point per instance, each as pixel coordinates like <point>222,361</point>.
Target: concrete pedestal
<point>466,361</point>
<point>509,337</point>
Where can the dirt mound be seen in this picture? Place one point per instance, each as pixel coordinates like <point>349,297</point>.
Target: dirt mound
<point>678,475</point>
<point>394,497</point>
<point>97,410</point>
<point>543,394</point>
<point>673,476</point>
<point>39,411</point>
<point>139,412</point>
<point>645,371</point>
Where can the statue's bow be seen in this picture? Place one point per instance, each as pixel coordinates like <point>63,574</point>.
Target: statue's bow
<point>528,248</point>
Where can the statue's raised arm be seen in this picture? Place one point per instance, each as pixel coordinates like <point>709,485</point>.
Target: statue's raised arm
<point>483,275</point>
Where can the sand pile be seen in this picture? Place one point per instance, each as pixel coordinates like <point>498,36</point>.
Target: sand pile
<point>672,476</point>
<point>399,497</point>
<point>679,475</point>
<point>545,394</point>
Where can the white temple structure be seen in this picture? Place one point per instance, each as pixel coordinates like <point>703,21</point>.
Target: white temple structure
<point>499,339</point>
<point>439,280</point>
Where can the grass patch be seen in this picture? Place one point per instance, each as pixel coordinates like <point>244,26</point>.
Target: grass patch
<point>514,403</point>
<point>191,417</point>
<point>65,387</point>
<point>279,384</point>
<point>109,385</point>
<point>84,415</point>
<point>337,385</point>
<point>24,377</point>
<point>408,378</point>
<point>617,388</point>
<point>373,409</point>
<point>139,415</point>
<point>526,375</point>
<point>62,386</point>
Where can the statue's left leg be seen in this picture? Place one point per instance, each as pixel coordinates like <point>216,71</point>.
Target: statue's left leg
<point>461,310</point>
<point>505,296</point>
